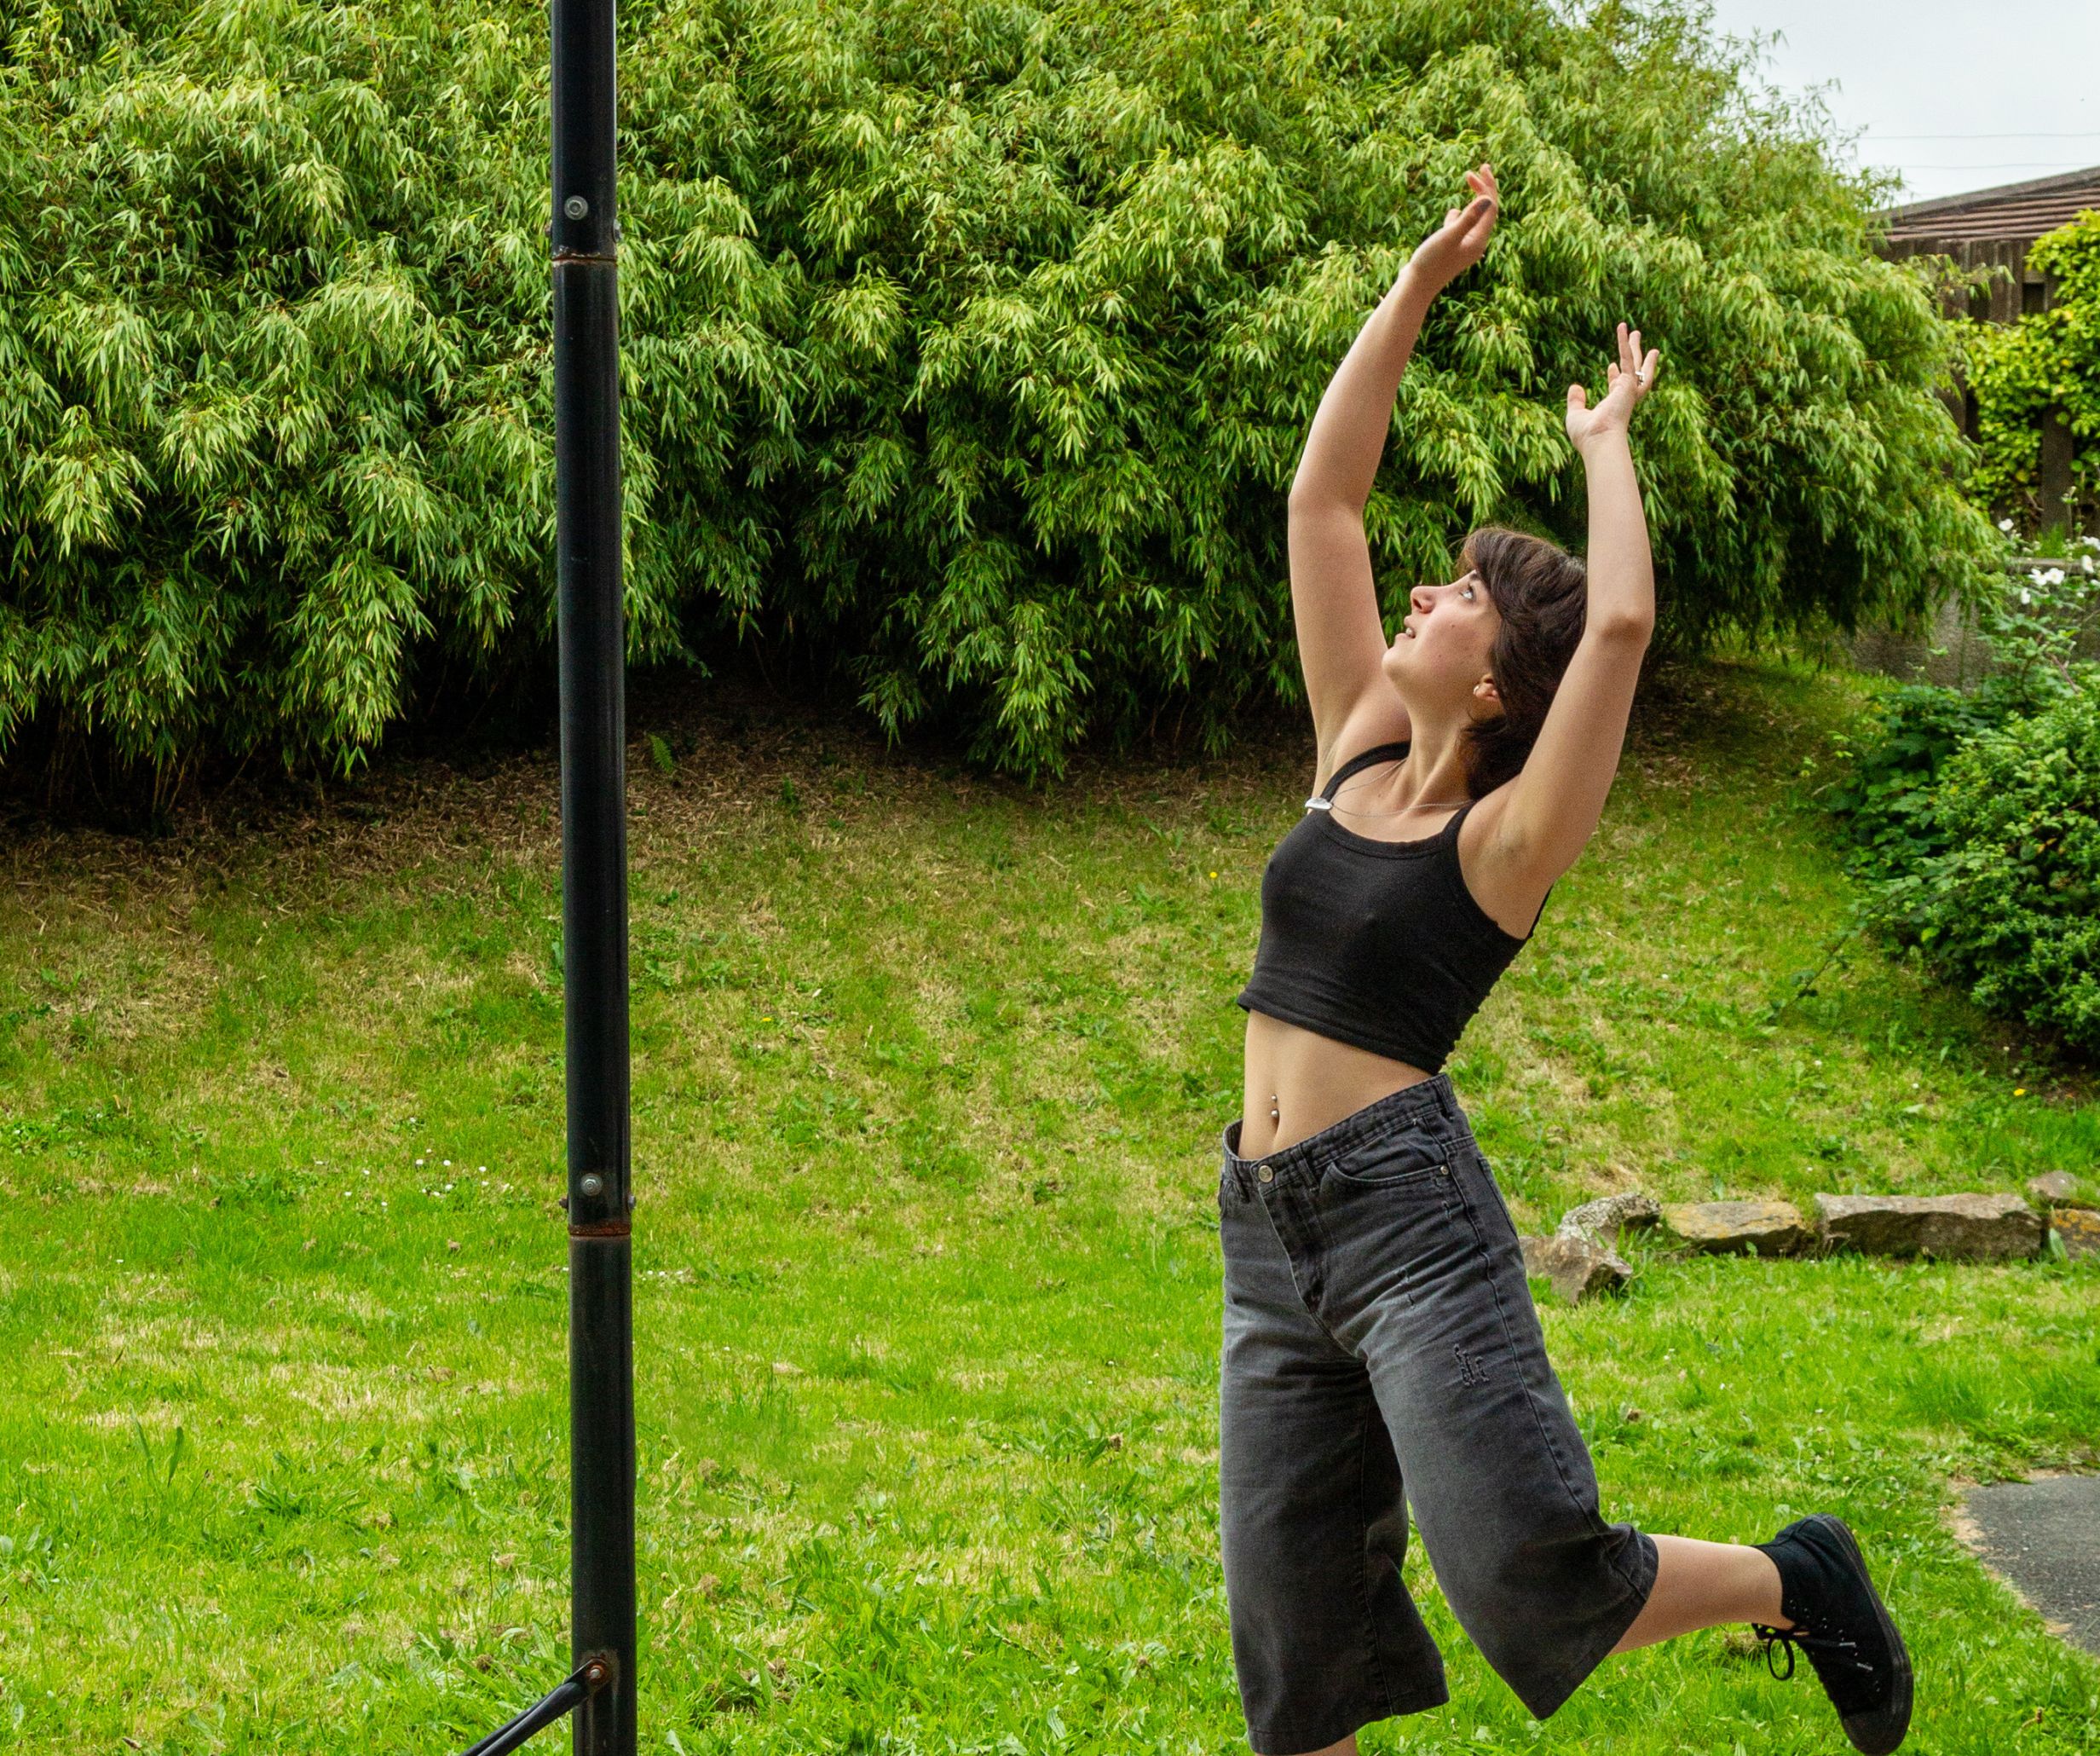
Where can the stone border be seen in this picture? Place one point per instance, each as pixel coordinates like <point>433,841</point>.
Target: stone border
<point>1581,1258</point>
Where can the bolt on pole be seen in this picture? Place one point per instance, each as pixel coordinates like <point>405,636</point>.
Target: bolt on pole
<point>594,872</point>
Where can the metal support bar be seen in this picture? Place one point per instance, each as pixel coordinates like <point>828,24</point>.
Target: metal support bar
<point>564,1698</point>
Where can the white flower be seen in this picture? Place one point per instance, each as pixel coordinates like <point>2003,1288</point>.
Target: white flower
<point>2024,598</point>
<point>2051,576</point>
<point>2004,524</point>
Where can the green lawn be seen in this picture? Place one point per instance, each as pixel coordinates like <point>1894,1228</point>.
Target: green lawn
<point>929,1075</point>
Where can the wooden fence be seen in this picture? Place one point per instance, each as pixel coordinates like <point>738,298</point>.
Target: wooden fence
<point>1954,652</point>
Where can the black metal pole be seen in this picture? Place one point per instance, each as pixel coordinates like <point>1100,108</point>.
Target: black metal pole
<point>594,871</point>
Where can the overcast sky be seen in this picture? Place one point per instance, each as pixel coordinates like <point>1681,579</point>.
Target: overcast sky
<point>1955,94</point>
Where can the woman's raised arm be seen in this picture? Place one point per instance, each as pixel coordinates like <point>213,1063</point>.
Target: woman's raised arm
<point>1556,803</point>
<point>1334,598</point>
<point>1348,435</point>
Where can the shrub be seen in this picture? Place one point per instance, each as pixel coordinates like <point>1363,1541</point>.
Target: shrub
<point>1974,816</point>
<point>2010,909</point>
<point>2032,624</point>
<point>1888,794</point>
<point>969,346</point>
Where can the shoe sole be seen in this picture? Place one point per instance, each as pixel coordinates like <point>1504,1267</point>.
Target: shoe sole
<point>1898,1705</point>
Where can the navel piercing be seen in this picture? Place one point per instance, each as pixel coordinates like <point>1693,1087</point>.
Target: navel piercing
<point>1275,1114</point>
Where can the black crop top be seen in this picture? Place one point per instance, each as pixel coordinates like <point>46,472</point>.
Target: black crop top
<point>1376,944</point>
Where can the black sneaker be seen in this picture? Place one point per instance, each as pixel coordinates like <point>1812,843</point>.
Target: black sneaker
<point>1839,1622</point>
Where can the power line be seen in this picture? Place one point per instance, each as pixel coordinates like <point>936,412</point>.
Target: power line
<point>2089,134</point>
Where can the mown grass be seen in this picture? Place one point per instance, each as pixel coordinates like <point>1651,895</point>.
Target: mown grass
<point>929,1074</point>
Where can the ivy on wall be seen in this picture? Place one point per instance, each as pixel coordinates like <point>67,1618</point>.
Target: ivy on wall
<point>2048,363</point>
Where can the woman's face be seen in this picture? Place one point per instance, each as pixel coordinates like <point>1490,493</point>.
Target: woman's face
<point>1444,640</point>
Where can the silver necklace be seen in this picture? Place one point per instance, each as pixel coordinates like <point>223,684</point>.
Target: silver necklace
<point>1317,803</point>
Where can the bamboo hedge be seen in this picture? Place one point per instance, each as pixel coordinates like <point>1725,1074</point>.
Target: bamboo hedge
<point>969,348</point>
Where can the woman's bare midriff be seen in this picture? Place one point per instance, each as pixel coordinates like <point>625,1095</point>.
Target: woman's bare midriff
<point>1315,1080</point>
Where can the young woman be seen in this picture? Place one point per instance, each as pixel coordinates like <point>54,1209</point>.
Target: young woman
<point>1380,1349</point>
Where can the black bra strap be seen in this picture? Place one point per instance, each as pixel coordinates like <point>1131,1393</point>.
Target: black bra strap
<point>1376,753</point>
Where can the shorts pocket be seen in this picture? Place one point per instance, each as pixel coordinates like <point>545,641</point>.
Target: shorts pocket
<point>1399,1157</point>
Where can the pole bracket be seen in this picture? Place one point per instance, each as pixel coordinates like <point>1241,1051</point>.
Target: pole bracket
<point>562,1700</point>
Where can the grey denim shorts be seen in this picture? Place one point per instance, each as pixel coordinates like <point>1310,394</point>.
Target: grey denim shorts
<point>1381,1351</point>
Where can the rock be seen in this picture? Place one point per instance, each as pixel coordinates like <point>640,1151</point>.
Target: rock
<point>1602,1218</point>
<point>2057,1188</point>
<point>2079,1229</point>
<point>1721,1228</point>
<point>1578,1266</point>
<point>1975,1226</point>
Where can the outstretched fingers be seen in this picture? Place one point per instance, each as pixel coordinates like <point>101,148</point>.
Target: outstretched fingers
<point>1627,379</point>
<point>1642,367</point>
<point>1483,183</point>
<point>1478,214</point>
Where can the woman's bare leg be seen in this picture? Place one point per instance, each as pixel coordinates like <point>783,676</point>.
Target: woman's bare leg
<point>1697,1586</point>
<point>1703,1585</point>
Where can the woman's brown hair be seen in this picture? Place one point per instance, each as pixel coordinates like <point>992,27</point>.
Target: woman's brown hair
<point>1542,595</point>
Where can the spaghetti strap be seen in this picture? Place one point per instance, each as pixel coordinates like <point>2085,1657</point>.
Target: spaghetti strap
<point>1362,759</point>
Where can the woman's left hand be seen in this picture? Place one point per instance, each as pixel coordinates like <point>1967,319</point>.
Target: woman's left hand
<point>1462,240</point>
<point>1626,383</point>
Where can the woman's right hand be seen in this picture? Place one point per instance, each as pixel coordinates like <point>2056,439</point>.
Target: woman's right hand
<point>1630,379</point>
<point>1461,241</point>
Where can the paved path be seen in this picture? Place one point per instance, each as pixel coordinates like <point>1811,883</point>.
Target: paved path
<point>2044,1537</point>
